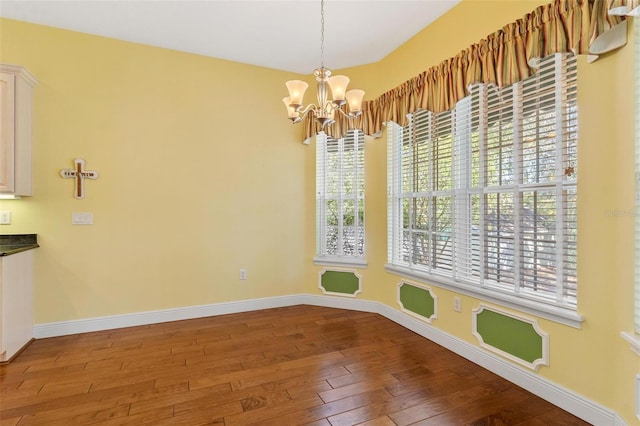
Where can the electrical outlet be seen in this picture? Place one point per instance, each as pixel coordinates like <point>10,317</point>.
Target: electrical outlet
<point>243,274</point>
<point>457,304</point>
<point>5,217</point>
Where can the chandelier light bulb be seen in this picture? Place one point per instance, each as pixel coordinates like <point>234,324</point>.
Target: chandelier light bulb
<point>293,114</point>
<point>354,97</point>
<point>338,84</point>
<point>296,92</point>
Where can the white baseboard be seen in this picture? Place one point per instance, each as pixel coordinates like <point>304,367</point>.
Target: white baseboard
<point>579,406</point>
<point>64,328</point>
<point>566,399</point>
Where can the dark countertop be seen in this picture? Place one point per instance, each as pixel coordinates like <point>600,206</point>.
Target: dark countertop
<point>16,243</point>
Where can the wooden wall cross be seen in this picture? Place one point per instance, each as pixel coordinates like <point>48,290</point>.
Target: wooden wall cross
<point>79,173</point>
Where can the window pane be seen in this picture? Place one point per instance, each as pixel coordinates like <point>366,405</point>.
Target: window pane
<point>442,234</point>
<point>570,132</point>
<point>332,170</point>
<point>570,251</point>
<point>499,145</point>
<point>332,229</point>
<point>442,152</point>
<point>349,240</point>
<point>538,246</point>
<point>421,213</point>
<point>332,212</point>
<point>420,248</point>
<point>539,147</point>
<point>331,240</point>
<point>406,246</point>
<point>407,165</point>
<point>407,213</point>
<point>499,238</point>
<point>475,160</point>
<point>476,237</point>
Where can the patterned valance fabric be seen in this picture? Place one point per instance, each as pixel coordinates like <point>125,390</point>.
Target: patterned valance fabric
<point>502,58</point>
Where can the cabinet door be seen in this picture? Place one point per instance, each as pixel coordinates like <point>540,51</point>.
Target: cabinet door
<point>7,132</point>
<point>16,283</point>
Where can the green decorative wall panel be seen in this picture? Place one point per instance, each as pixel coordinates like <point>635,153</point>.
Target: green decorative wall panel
<point>517,338</point>
<point>343,283</point>
<point>417,301</point>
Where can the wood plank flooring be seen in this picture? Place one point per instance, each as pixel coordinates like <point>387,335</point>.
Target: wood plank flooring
<point>299,365</point>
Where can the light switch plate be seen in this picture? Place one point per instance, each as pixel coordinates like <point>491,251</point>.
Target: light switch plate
<point>82,218</point>
<point>5,217</point>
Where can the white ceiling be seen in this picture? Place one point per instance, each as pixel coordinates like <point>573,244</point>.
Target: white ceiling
<point>280,34</point>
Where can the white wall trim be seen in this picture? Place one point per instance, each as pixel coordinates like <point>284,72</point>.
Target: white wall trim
<point>335,293</point>
<point>64,328</point>
<point>566,399</point>
<point>535,365</point>
<point>415,314</point>
<point>554,313</point>
<point>344,261</point>
<point>633,339</point>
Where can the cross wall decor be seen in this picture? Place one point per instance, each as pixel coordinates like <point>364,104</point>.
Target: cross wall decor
<point>79,174</point>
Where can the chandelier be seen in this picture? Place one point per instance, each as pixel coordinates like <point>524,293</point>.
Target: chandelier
<point>324,112</point>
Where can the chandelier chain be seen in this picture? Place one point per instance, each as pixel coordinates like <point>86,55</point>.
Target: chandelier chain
<point>322,33</point>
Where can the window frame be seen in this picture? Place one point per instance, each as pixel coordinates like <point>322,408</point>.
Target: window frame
<point>634,337</point>
<point>459,192</point>
<point>357,198</point>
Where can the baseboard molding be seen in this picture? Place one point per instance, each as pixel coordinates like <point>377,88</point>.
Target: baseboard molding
<point>64,328</point>
<point>566,399</point>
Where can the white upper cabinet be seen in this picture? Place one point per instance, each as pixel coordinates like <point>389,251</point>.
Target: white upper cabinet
<point>16,129</point>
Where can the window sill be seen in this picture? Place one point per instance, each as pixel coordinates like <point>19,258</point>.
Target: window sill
<point>349,262</point>
<point>633,339</point>
<point>554,313</point>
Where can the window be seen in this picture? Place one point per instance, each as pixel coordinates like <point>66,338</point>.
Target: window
<point>483,198</point>
<point>637,207</point>
<point>340,198</point>
<point>634,337</point>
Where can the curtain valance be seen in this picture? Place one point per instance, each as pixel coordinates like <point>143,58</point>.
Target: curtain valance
<point>584,27</point>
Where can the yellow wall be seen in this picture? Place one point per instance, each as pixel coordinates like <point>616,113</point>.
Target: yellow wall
<point>190,190</point>
<point>593,361</point>
<point>200,176</point>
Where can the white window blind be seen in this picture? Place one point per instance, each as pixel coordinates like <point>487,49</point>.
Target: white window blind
<point>485,195</point>
<point>340,195</point>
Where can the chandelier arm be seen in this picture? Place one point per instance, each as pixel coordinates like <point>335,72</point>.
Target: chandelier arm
<point>303,113</point>
<point>331,106</point>
<point>349,115</point>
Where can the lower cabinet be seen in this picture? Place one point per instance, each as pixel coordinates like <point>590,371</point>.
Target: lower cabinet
<point>16,303</point>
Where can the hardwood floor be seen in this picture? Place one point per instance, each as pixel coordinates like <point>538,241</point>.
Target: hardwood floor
<point>287,366</point>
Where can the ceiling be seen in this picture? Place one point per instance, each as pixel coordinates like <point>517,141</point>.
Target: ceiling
<point>283,35</point>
